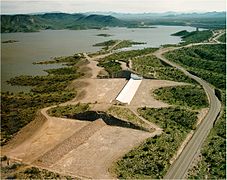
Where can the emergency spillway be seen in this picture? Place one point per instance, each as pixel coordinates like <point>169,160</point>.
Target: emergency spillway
<point>128,92</point>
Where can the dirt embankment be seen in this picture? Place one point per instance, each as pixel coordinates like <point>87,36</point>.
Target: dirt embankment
<point>28,131</point>
<point>74,141</point>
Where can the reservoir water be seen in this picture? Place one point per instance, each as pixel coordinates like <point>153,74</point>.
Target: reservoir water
<point>17,57</point>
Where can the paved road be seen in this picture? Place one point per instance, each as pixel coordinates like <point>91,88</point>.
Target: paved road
<point>180,167</point>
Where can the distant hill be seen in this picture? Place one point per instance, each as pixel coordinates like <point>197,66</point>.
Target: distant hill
<point>21,23</point>
<point>33,23</point>
<point>96,21</point>
<point>209,20</point>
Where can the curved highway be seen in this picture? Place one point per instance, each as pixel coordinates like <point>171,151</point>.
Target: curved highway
<point>180,167</point>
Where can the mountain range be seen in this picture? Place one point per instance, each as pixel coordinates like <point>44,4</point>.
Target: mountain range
<point>98,20</point>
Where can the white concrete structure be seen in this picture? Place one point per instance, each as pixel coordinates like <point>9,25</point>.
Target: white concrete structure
<point>129,91</point>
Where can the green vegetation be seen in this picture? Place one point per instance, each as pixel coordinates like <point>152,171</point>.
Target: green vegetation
<point>213,78</point>
<point>189,96</point>
<point>196,37</point>
<point>168,117</point>
<point>205,61</point>
<point>127,114</point>
<point>126,43</point>
<point>69,60</point>
<point>112,67</point>
<point>19,109</point>
<point>69,111</point>
<point>111,64</point>
<point>107,43</point>
<point>212,163</point>
<point>222,38</point>
<point>127,55</point>
<point>152,67</point>
<point>56,80</point>
<point>151,159</point>
<point>121,44</point>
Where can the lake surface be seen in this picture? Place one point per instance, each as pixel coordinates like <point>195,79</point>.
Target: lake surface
<point>17,58</point>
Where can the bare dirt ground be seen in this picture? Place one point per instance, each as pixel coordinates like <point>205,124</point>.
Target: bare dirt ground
<point>101,90</point>
<point>144,97</point>
<point>123,65</point>
<point>202,113</point>
<point>93,158</point>
<point>52,132</point>
<point>93,66</point>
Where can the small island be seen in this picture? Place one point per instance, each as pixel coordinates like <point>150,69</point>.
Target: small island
<point>117,44</point>
<point>10,41</point>
<point>104,35</point>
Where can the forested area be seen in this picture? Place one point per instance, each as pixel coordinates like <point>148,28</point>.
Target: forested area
<point>194,36</point>
<point>205,61</point>
<point>151,67</point>
<point>189,96</point>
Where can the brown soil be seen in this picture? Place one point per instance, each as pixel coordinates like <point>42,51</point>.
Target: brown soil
<point>93,158</point>
<point>41,140</point>
<point>101,90</point>
<point>74,141</point>
<point>25,132</point>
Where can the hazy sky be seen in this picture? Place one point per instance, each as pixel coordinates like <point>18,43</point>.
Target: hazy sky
<point>133,6</point>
